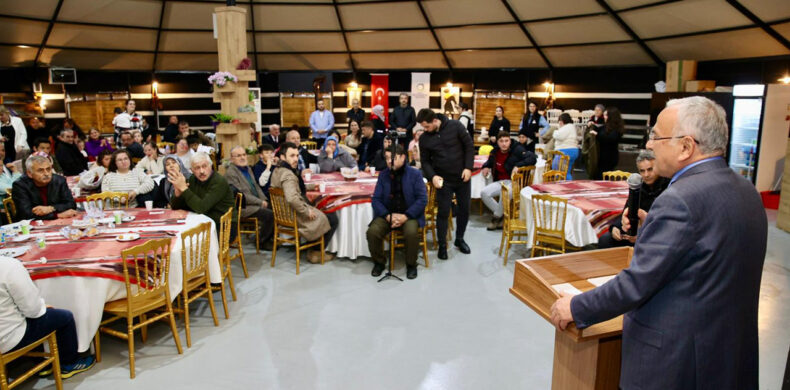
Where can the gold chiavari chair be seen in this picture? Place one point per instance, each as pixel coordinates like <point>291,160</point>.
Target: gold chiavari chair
<point>165,145</point>
<point>225,222</point>
<point>616,175</point>
<point>194,266</point>
<point>237,241</point>
<point>524,177</point>
<point>431,212</point>
<point>247,225</point>
<point>309,145</point>
<point>553,176</point>
<point>563,161</point>
<point>513,227</point>
<point>10,209</point>
<point>112,200</point>
<point>397,235</point>
<point>146,270</point>
<point>285,223</point>
<point>51,358</point>
<point>548,216</point>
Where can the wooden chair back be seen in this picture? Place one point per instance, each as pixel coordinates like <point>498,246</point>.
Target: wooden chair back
<point>194,251</point>
<point>239,206</point>
<point>507,203</point>
<point>51,357</point>
<point>526,178</point>
<point>309,145</point>
<point>548,217</point>
<point>10,209</point>
<point>616,175</point>
<point>563,161</point>
<point>284,215</point>
<point>225,222</point>
<point>111,200</point>
<point>146,268</point>
<point>553,176</point>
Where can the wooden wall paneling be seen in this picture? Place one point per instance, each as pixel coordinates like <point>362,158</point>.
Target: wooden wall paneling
<point>485,106</point>
<point>297,110</point>
<point>106,114</point>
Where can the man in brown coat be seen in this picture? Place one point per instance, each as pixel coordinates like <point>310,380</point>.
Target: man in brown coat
<point>312,222</point>
<point>240,176</point>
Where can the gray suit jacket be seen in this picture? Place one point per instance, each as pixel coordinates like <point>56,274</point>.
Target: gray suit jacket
<point>690,295</point>
<point>235,178</point>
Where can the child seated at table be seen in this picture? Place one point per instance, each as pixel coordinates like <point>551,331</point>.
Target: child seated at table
<point>264,167</point>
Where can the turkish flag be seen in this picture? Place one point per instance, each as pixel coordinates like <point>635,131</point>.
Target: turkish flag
<point>380,91</point>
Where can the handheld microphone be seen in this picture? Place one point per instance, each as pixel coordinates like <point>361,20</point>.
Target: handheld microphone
<point>634,189</point>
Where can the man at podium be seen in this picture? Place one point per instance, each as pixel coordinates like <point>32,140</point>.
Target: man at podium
<point>691,292</point>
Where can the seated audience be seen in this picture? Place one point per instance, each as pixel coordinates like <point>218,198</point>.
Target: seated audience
<point>502,163</point>
<point>264,167</point>
<point>121,178</point>
<point>69,156</point>
<point>171,130</point>
<point>81,147</point>
<point>240,175</point>
<point>91,179</point>
<point>26,318</point>
<point>152,163</point>
<point>305,157</point>
<point>127,143</point>
<point>379,161</point>
<point>165,191</point>
<point>523,140</point>
<point>42,145</point>
<point>312,222</point>
<point>69,123</point>
<point>414,148</point>
<point>274,138</point>
<point>652,187</point>
<point>137,136</point>
<point>333,156</point>
<point>370,145</point>
<point>205,192</point>
<point>184,152</point>
<point>565,142</point>
<point>37,128</point>
<point>9,173</point>
<point>341,145</point>
<point>40,194</point>
<point>398,202</point>
<point>96,143</point>
<point>185,131</point>
<point>354,135</point>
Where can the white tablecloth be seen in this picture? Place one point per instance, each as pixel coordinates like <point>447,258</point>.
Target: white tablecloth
<point>85,296</point>
<point>479,182</point>
<point>578,230</point>
<point>349,239</point>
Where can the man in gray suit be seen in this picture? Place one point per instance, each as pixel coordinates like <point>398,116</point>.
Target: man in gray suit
<point>691,292</point>
<point>240,175</point>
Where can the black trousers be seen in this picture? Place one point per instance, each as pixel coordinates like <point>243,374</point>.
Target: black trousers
<point>62,322</point>
<point>444,198</point>
<point>265,219</point>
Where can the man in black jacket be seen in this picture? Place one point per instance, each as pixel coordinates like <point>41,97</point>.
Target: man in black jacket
<point>502,163</point>
<point>134,148</point>
<point>447,157</point>
<point>369,147</point>
<point>652,187</point>
<point>69,156</point>
<point>171,130</point>
<point>356,113</point>
<point>273,138</point>
<point>40,194</point>
<point>403,117</point>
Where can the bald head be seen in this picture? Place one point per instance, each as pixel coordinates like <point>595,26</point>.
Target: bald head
<point>293,137</point>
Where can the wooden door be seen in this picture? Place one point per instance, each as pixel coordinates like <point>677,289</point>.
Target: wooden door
<point>96,113</point>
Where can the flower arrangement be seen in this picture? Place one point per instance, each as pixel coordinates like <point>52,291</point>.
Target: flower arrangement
<point>245,64</point>
<point>220,78</point>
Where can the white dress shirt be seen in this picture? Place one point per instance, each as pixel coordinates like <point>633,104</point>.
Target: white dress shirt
<point>19,299</point>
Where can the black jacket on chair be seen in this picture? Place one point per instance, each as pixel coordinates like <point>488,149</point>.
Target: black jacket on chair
<point>26,196</point>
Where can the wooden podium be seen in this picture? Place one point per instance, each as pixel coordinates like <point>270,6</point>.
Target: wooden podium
<point>583,359</point>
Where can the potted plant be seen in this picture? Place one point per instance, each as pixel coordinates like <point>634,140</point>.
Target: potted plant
<point>220,118</point>
<point>219,79</point>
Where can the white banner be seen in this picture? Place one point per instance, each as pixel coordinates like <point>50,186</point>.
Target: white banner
<point>420,90</point>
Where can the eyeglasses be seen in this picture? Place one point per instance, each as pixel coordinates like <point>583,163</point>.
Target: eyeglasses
<point>652,137</point>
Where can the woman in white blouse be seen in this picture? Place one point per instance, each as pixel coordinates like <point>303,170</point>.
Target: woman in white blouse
<point>566,141</point>
<point>184,152</point>
<point>122,179</point>
<point>92,178</point>
<point>152,163</point>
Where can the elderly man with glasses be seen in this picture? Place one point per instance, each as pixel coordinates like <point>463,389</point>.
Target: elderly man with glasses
<point>40,194</point>
<point>691,292</point>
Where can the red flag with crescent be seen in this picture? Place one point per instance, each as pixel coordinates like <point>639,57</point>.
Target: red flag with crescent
<point>380,93</point>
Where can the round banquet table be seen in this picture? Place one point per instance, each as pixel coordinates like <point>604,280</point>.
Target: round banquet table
<point>85,296</point>
<point>579,230</point>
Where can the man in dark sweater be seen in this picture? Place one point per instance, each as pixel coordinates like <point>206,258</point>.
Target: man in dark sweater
<point>447,157</point>
<point>356,113</point>
<point>205,192</point>
<point>369,147</point>
<point>652,187</point>
<point>127,142</point>
<point>40,194</point>
<point>69,156</point>
<point>403,117</point>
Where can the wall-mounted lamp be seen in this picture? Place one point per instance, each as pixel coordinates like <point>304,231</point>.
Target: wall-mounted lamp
<point>354,84</point>
<point>154,88</point>
<point>785,79</point>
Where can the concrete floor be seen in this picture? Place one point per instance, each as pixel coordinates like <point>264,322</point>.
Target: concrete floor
<point>333,327</point>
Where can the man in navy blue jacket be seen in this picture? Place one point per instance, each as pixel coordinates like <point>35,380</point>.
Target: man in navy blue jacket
<point>398,202</point>
<point>691,292</point>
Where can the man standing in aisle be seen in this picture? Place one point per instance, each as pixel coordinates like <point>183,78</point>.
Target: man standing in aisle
<point>691,293</point>
<point>321,121</point>
<point>403,117</point>
<point>447,157</point>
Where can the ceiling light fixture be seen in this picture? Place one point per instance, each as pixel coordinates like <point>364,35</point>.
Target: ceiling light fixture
<point>785,79</point>
<point>23,46</point>
<point>354,84</point>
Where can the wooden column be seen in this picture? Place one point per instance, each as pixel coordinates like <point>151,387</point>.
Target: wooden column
<point>231,50</point>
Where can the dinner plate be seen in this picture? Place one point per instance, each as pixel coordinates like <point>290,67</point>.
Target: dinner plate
<point>21,237</point>
<point>127,237</point>
<point>14,252</point>
<point>128,218</point>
